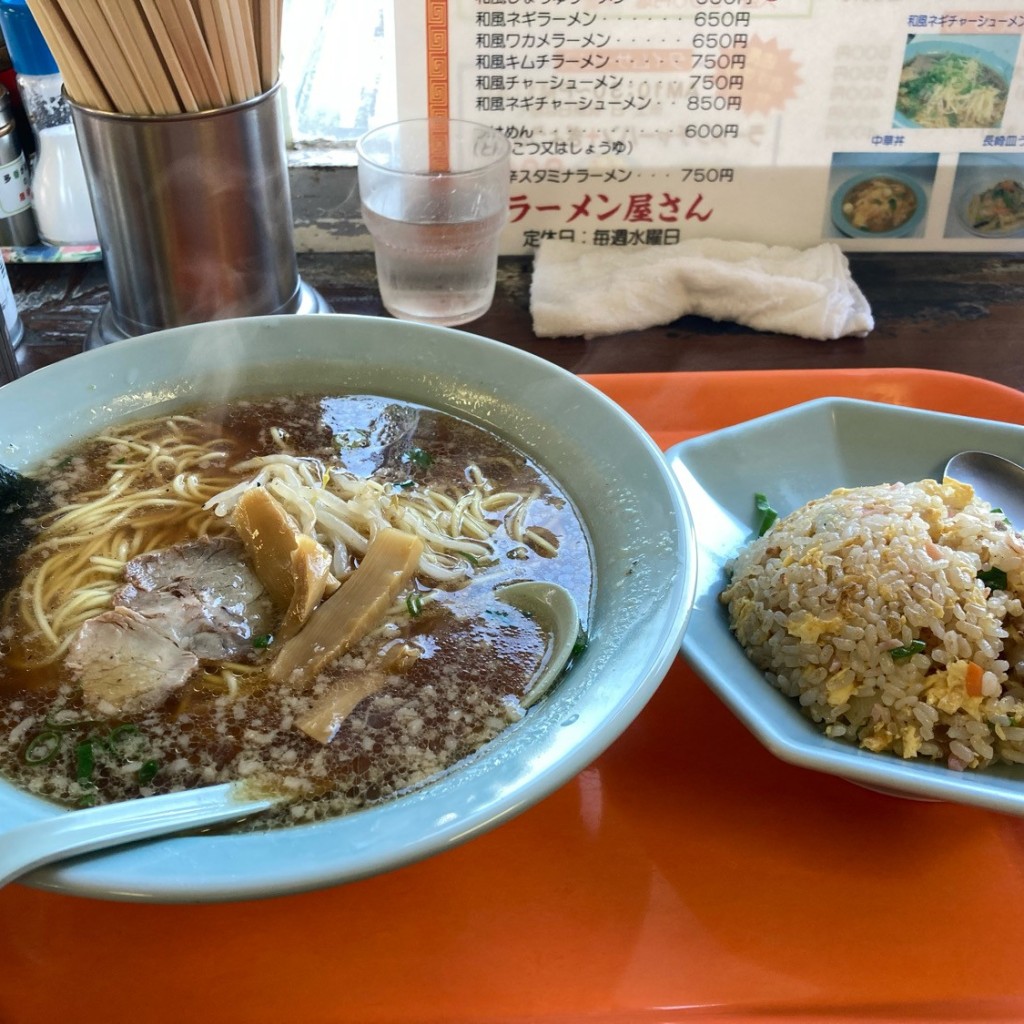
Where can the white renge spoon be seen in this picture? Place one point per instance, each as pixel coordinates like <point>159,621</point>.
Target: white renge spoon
<point>555,611</point>
<point>69,833</point>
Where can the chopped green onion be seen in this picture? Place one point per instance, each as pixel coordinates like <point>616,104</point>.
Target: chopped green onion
<point>85,762</point>
<point>406,484</point>
<point>146,772</point>
<point>768,514</point>
<point>123,740</point>
<point>414,604</point>
<point>418,457</point>
<point>120,732</point>
<point>42,748</point>
<point>582,640</point>
<point>994,579</point>
<point>907,650</point>
<point>263,641</point>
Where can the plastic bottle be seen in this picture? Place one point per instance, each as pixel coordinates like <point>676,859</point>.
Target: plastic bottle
<point>61,201</point>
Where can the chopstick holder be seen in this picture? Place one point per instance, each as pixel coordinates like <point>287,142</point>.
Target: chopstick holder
<point>593,291</point>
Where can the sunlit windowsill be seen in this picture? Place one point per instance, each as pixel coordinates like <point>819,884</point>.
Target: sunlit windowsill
<point>325,200</point>
<point>339,77</point>
<point>326,155</point>
<point>325,211</point>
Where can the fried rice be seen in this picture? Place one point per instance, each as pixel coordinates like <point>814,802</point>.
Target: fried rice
<point>893,615</point>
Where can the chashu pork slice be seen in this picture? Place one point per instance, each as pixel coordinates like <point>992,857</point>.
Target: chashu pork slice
<point>124,665</point>
<point>203,595</point>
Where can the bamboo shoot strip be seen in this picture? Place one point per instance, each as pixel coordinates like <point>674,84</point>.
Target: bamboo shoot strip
<point>80,78</point>
<point>326,716</point>
<point>353,610</point>
<point>187,100</point>
<point>180,20</point>
<point>131,34</point>
<point>123,89</point>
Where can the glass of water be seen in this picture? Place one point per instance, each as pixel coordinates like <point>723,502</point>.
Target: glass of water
<point>434,194</point>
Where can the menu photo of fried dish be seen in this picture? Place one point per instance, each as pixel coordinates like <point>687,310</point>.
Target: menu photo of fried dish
<point>878,204</point>
<point>996,210</point>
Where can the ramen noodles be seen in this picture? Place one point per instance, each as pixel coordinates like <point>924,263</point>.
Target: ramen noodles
<point>300,592</point>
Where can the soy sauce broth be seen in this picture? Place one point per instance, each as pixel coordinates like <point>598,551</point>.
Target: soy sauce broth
<point>476,655</point>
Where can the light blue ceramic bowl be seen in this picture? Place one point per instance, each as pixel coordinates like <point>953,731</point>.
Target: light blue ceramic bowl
<point>640,527</point>
<point>793,456</point>
<point>904,230</point>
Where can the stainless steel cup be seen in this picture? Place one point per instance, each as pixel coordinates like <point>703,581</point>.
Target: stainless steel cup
<point>194,216</point>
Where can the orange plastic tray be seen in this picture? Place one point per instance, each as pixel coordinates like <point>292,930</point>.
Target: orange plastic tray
<point>687,871</point>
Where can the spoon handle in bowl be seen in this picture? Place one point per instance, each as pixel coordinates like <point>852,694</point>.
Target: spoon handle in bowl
<point>71,833</point>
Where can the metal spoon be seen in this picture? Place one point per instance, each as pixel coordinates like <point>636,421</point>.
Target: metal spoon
<point>555,611</point>
<point>70,833</point>
<point>996,480</point>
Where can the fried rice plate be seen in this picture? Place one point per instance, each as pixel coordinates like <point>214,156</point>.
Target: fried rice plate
<point>893,614</point>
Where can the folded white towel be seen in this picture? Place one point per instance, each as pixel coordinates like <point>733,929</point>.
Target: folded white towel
<point>583,290</point>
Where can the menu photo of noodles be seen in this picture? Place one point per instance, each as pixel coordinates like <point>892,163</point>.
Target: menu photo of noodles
<point>988,197</point>
<point>955,81</point>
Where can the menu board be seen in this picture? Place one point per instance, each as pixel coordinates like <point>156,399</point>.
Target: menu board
<point>877,124</point>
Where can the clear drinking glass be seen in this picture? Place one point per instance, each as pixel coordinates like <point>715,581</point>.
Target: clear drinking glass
<point>434,195</point>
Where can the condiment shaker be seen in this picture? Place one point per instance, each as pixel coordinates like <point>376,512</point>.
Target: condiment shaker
<point>60,195</point>
<point>17,223</point>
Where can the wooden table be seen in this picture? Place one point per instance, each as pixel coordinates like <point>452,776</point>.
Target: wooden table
<point>950,312</point>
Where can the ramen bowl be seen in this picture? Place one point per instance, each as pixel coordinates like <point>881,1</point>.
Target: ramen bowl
<point>640,529</point>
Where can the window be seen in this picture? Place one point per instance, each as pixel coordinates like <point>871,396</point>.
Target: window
<point>338,71</point>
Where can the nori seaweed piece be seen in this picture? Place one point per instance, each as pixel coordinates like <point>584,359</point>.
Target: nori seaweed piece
<point>21,499</point>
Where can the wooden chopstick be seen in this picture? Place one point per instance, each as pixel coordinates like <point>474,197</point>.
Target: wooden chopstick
<point>122,87</point>
<point>267,15</point>
<point>170,57</point>
<point>129,30</point>
<point>80,78</point>
<point>190,45</point>
<point>245,33</point>
<point>206,18</point>
<point>231,43</point>
<point>162,57</point>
